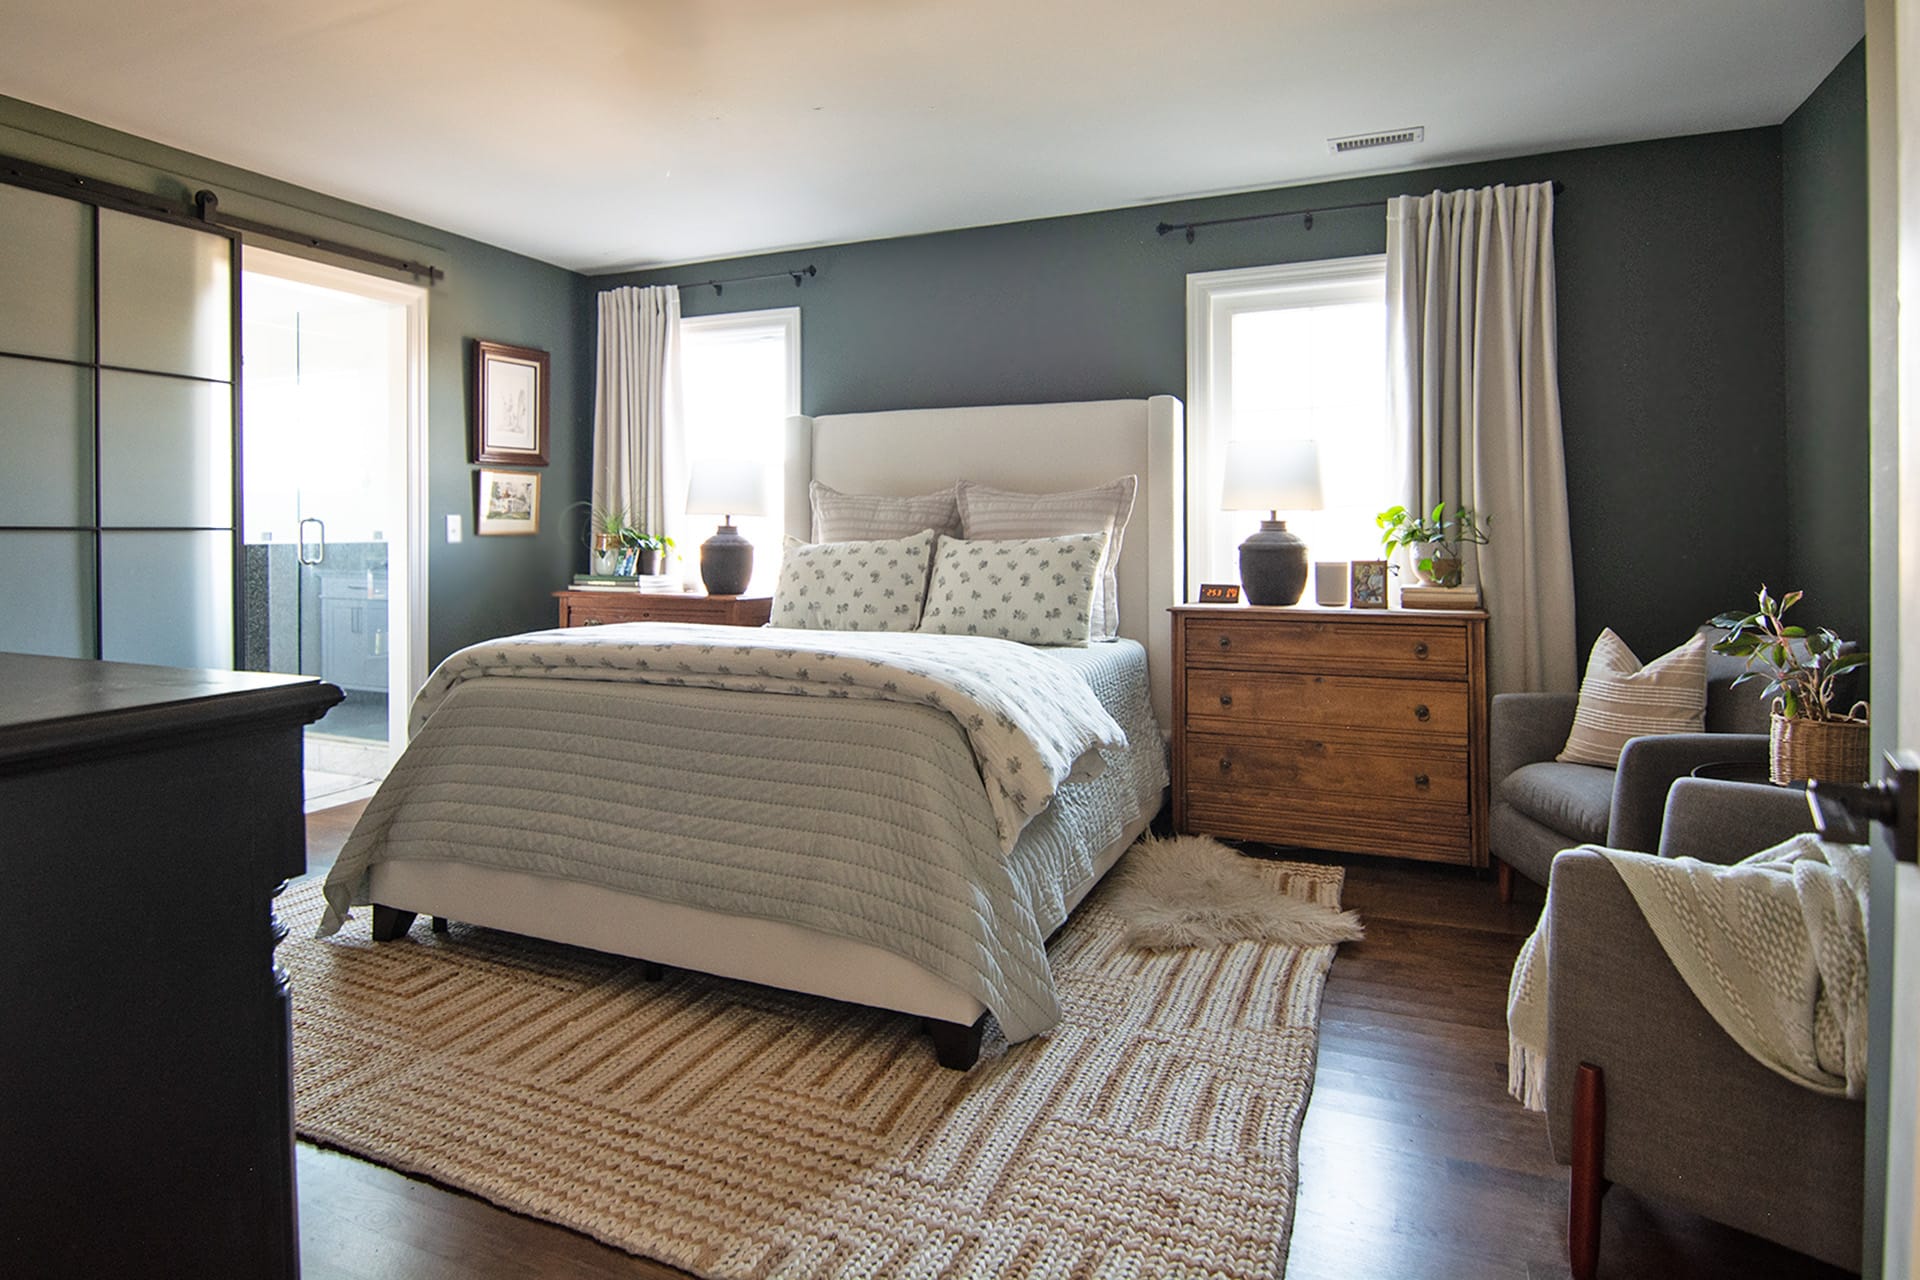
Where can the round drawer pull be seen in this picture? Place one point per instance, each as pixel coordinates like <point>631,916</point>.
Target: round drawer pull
<point>1420,650</point>
<point>1226,641</point>
<point>1420,780</point>
<point>1421,713</point>
<point>1226,699</point>
<point>1226,764</point>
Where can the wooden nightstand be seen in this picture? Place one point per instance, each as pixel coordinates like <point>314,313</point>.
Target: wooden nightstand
<point>592,608</point>
<point>1362,730</point>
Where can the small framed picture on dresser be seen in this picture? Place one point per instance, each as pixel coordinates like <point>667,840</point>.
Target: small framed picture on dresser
<point>1367,580</point>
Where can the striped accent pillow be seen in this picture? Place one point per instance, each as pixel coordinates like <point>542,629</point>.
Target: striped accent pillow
<point>1621,699</point>
<point>865,517</point>
<point>998,515</point>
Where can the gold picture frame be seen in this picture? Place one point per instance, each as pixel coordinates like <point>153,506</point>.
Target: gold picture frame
<point>509,503</point>
<point>1367,584</point>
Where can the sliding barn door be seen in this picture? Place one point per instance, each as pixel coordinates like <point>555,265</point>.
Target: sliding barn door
<point>117,494</point>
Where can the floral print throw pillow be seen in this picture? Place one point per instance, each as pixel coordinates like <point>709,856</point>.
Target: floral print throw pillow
<point>1034,590</point>
<point>876,585</point>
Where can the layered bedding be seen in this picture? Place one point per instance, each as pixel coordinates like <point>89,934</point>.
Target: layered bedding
<point>945,799</point>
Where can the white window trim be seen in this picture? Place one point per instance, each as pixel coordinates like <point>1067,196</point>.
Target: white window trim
<point>1213,299</point>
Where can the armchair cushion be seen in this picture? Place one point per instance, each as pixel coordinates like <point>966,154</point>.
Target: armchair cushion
<point>1573,799</point>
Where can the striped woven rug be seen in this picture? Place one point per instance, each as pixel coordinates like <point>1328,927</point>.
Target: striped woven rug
<point>736,1131</point>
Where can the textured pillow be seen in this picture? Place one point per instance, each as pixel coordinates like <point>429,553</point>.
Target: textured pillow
<point>999,514</point>
<point>877,585</point>
<point>1620,699</point>
<point>847,517</point>
<point>1034,590</point>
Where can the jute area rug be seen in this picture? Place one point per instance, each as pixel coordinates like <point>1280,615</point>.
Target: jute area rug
<point>737,1131</point>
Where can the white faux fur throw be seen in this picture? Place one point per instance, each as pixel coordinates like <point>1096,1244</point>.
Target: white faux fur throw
<point>1193,891</point>
<point>1774,947</point>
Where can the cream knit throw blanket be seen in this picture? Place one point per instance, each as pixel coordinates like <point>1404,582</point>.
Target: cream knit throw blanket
<point>1774,947</point>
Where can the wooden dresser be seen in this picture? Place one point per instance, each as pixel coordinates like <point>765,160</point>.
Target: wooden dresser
<point>1363,730</point>
<point>146,1089</point>
<point>592,608</point>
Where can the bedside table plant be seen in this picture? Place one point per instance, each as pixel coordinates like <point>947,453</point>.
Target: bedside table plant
<point>1434,540</point>
<point>620,545</point>
<point>1810,737</point>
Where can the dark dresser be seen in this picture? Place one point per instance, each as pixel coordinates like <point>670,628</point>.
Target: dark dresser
<point>148,816</point>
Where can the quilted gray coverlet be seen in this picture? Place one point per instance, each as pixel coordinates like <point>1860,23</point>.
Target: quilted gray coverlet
<point>861,814</point>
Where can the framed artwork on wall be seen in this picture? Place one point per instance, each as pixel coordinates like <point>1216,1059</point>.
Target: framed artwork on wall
<point>1368,584</point>
<point>509,502</point>
<point>509,404</point>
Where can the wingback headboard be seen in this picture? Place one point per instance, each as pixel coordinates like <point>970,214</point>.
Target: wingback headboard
<point>1034,448</point>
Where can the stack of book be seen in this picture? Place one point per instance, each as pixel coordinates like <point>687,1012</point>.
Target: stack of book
<point>653,583</point>
<point>1425,597</point>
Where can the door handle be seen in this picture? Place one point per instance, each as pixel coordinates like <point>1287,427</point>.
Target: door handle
<point>1840,811</point>
<point>319,543</point>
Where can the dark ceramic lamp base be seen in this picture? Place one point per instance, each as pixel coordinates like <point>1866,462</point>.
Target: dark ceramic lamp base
<point>726,562</point>
<point>1273,565</point>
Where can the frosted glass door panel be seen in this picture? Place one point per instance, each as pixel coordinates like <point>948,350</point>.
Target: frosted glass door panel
<point>166,452</point>
<point>167,598</point>
<point>46,580</point>
<point>46,261</point>
<point>166,300</point>
<point>46,443</point>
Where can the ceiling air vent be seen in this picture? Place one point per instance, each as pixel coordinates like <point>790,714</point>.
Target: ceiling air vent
<point>1386,138</point>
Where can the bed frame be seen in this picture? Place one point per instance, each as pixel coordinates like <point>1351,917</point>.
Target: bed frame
<point>1033,448</point>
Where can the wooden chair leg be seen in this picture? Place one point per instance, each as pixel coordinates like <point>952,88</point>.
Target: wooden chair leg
<point>439,924</point>
<point>1589,1165</point>
<point>1505,874</point>
<point>390,922</point>
<point>956,1046</point>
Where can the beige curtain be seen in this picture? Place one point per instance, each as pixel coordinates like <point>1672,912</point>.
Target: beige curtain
<point>1474,408</point>
<point>639,453</point>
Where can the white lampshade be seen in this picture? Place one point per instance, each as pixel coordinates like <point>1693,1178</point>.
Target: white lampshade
<point>725,487</point>
<point>1272,475</point>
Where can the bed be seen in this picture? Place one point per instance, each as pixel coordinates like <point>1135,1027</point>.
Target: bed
<point>802,829</point>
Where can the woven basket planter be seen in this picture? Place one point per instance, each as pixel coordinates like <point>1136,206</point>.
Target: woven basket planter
<point>1825,750</point>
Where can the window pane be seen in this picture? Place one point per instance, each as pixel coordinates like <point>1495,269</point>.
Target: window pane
<point>47,582</point>
<point>166,451</point>
<point>735,398</point>
<point>46,443</point>
<point>166,301</point>
<point>46,260</point>
<point>167,598</point>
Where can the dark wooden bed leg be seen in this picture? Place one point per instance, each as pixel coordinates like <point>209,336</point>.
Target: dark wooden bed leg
<point>652,972</point>
<point>956,1046</point>
<point>1505,874</point>
<point>1589,1165</point>
<point>439,924</point>
<point>390,922</point>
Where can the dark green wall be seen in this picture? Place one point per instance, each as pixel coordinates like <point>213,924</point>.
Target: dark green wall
<point>1668,258</point>
<point>1823,149</point>
<point>481,587</point>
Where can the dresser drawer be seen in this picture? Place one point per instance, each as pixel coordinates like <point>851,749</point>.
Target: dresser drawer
<point>1270,703</point>
<point>1389,828</point>
<point>1435,651</point>
<point>1329,765</point>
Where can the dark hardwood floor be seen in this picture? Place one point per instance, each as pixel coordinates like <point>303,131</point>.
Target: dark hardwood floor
<point>1414,1163</point>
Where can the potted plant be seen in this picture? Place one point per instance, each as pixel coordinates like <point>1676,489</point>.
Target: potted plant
<point>1434,540</point>
<point>647,549</point>
<point>619,544</point>
<point>1809,736</point>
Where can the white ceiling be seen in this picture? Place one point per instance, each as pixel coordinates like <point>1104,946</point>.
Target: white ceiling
<point>606,134</point>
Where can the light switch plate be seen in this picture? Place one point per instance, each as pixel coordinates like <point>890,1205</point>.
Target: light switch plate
<point>453,528</point>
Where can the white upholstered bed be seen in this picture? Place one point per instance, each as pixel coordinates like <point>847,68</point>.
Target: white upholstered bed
<point>1032,448</point>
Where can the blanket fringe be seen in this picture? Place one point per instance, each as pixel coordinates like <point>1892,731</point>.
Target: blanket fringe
<point>1526,1076</point>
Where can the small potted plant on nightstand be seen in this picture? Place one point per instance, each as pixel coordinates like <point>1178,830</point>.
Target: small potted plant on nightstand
<point>649,549</point>
<point>1810,738</point>
<point>1434,541</point>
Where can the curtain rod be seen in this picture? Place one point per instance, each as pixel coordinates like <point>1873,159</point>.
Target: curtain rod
<point>800,276</point>
<point>1305,214</point>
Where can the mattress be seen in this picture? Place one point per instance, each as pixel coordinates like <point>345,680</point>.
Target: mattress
<point>863,820</point>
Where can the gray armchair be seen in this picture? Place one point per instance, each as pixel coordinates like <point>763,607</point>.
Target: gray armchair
<point>1645,1089</point>
<point>1541,806</point>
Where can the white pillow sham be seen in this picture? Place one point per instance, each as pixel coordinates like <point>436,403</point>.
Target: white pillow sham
<point>988,514</point>
<point>849,517</point>
<point>1037,591</point>
<point>867,585</point>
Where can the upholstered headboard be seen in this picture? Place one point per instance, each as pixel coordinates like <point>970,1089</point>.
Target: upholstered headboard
<point>1035,448</point>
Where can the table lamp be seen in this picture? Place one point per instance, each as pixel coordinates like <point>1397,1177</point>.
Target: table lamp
<point>726,488</point>
<point>1273,476</point>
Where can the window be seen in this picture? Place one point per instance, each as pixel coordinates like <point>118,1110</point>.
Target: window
<point>1289,352</point>
<point>739,383</point>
